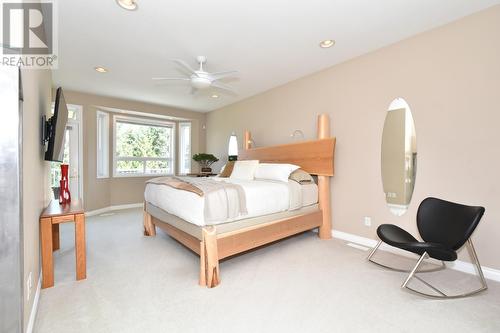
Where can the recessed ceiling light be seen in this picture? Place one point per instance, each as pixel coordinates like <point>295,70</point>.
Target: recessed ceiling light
<point>100,69</point>
<point>127,4</point>
<point>326,43</point>
<point>215,96</point>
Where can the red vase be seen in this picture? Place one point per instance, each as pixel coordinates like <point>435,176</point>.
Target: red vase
<point>64,195</point>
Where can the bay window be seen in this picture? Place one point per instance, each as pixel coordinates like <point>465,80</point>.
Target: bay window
<point>143,147</point>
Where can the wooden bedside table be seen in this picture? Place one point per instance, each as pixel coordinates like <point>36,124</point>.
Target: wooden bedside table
<point>201,174</point>
<point>49,238</point>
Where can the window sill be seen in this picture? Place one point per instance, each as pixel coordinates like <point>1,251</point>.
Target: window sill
<point>143,175</point>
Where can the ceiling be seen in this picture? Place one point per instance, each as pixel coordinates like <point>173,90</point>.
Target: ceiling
<point>268,42</point>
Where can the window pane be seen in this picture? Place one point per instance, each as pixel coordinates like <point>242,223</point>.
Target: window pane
<point>55,174</point>
<point>136,140</point>
<point>129,167</point>
<point>66,145</point>
<point>143,148</point>
<point>158,167</point>
<point>71,114</point>
<point>55,167</point>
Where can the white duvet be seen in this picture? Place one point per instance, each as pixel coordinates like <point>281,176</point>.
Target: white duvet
<point>263,197</point>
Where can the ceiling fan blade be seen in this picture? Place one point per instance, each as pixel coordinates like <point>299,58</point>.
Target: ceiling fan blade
<point>170,78</point>
<point>184,65</point>
<point>220,75</point>
<point>223,86</point>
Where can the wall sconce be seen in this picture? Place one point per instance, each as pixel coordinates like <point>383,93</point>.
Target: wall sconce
<point>232,150</point>
<point>297,135</point>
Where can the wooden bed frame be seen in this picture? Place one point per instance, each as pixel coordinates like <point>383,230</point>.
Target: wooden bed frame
<point>315,156</point>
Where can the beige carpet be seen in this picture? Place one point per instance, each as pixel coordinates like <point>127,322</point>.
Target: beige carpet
<point>302,284</point>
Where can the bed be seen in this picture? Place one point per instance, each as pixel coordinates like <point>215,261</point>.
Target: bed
<point>263,197</point>
<point>275,210</point>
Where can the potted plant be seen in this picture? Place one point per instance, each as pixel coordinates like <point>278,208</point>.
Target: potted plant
<point>205,161</point>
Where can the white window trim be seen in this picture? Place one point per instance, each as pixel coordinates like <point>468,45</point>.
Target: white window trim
<point>106,143</point>
<point>144,121</point>
<point>78,109</point>
<point>180,124</point>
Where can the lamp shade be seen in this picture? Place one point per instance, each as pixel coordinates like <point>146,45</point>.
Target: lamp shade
<point>232,150</point>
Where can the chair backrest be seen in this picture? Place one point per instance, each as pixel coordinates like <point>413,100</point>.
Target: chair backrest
<point>447,223</point>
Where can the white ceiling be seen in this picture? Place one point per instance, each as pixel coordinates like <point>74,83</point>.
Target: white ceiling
<point>270,42</point>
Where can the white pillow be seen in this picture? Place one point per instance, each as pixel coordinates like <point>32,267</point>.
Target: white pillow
<point>244,170</point>
<point>275,171</point>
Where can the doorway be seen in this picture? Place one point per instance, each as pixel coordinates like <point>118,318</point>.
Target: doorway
<point>73,155</point>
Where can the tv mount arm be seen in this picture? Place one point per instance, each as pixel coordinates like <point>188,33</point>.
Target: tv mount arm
<point>47,129</point>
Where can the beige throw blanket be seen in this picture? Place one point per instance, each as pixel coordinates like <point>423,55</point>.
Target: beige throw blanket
<point>223,200</point>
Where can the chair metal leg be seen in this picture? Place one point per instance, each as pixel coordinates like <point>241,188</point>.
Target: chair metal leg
<point>369,258</point>
<point>428,285</point>
<point>477,264</point>
<point>374,250</point>
<point>419,262</point>
<point>442,295</point>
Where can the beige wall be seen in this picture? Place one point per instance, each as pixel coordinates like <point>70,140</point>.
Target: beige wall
<point>100,193</point>
<point>37,100</point>
<point>449,76</point>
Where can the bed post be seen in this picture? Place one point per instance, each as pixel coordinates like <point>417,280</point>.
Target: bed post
<point>149,226</point>
<point>248,140</point>
<point>209,258</point>
<point>325,230</point>
<point>203,265</point>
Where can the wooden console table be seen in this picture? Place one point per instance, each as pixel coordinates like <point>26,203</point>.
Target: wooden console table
<point>49,238</point>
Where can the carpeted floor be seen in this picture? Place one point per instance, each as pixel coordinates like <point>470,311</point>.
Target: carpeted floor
<point>302,284</point>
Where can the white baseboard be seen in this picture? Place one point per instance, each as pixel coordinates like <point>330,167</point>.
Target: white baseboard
<point>462,266</point>
<point>34,308</point>
<point>112,208</point>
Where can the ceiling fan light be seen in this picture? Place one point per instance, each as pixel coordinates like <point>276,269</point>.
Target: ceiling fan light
<point>200,82</point>
<point>127,4</point>
<point>201,79</point>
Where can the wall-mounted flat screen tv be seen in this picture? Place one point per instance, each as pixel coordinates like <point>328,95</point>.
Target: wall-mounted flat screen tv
<point>56,129</point>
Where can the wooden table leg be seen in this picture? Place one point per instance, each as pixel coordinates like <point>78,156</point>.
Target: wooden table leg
<point>47,258</point>
<point>81,260</point>
<point>55,237</point>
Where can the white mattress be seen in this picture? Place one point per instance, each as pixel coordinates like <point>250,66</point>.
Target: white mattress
<point>262,198</point>
<point>309,194</point>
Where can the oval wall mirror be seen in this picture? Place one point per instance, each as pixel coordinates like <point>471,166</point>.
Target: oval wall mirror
<point>399,156</point>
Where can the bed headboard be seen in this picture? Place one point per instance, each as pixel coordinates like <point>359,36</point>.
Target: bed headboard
<point>314,157</point>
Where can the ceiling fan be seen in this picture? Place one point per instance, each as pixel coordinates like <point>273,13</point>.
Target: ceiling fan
<point>201,79</point>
